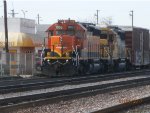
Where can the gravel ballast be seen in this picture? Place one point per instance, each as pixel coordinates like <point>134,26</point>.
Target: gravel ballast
<point>91,103</point>
<point>138,109</point>
<point>65,87</point>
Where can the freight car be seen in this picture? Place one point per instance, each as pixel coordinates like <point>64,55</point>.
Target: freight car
<point>137,45</point>
<point>80,48</point>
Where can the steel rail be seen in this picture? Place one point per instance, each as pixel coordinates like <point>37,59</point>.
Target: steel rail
<point>122,106</point>
<point>48,97</point>
<point>18,78</point>
<point>33,84</point>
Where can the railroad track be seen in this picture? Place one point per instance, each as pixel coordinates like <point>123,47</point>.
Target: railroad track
<point>122,106</point>
<point>19,85</point>
<point>40,98</point>
<point>2,78</point>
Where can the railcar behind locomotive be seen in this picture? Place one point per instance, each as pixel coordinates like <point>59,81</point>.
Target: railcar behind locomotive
<point>79,48</point>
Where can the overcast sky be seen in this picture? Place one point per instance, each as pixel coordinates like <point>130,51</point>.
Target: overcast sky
<point>83,10</point>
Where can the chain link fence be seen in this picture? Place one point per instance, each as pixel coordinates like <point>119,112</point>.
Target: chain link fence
<point>17,64</point>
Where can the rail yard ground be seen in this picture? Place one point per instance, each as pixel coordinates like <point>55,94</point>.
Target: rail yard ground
<point>91,103</point>
<point>104,92</point>
<point>144,108</point>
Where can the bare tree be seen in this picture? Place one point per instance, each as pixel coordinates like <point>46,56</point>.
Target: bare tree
<point>107,21</point>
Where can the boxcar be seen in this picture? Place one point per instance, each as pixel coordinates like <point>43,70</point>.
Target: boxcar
<point>137,44</point>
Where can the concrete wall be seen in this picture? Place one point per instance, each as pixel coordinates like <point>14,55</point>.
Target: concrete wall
<point>19,25</point>
<point>41,35</point>
<point>40,30</point>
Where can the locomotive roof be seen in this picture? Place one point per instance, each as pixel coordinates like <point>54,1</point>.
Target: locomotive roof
<point>80,26</point>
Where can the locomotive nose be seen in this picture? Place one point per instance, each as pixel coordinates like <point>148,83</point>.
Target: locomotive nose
<point>61,45</point>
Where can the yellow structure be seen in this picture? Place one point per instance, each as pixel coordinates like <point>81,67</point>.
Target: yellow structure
<point>19,44</point>
<point>16,40</point>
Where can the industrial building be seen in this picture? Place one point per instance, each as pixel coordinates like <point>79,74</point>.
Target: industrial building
<point>21,33</point>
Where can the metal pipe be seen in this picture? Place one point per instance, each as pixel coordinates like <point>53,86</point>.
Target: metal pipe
<point>25,63</point>
<point>10,64</point>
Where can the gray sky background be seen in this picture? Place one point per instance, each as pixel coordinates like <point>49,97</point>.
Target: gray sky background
<point>83,10</point>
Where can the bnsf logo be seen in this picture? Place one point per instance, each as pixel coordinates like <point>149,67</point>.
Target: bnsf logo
<point>59,27</point>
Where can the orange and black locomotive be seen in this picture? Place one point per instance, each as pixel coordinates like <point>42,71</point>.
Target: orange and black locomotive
<point>65,41</point>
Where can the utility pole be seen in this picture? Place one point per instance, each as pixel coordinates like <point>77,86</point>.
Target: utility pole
<point>13,13</point>
<point>132,17</point>
<point>6,27</point>
<point>131,14</point>
<point>97,11</point>
<point>7,71</point>
<point>38,16</point>
<point>24,12</point>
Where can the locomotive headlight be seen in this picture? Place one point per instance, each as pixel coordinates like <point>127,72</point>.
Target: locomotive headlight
<point>48,54</point>
<point>67,54</point>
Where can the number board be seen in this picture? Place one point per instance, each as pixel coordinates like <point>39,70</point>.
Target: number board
<point>59,27</point>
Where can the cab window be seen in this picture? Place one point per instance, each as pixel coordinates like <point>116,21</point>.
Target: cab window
<point>60,32</point>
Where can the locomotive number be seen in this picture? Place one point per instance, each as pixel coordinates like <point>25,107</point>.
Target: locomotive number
<point>59,27</point>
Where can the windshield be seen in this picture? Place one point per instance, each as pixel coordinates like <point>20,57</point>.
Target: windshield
<point>62,32</point>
